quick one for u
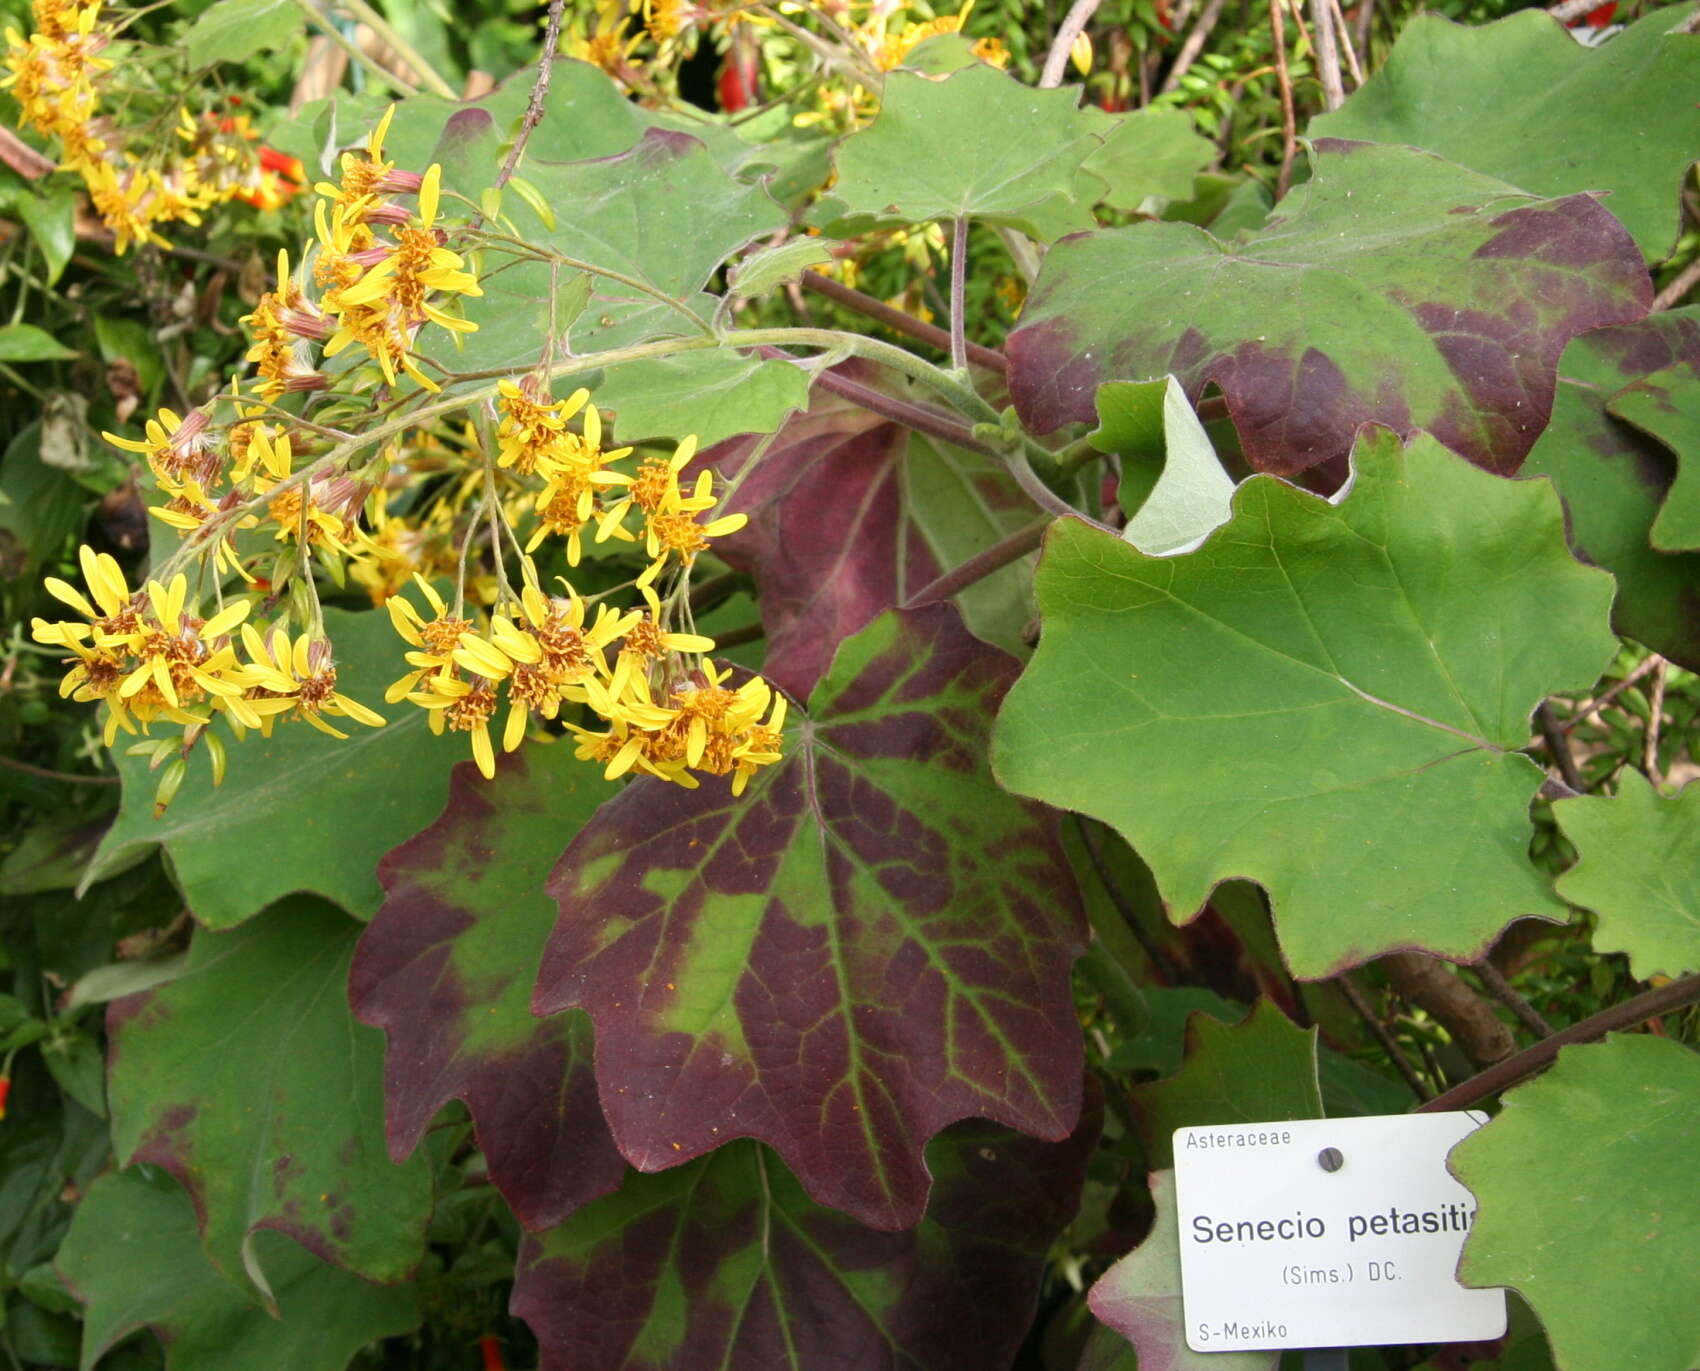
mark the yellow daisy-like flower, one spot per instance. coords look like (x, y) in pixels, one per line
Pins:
(300, 675)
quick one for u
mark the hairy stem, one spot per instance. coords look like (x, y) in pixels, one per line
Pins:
(981, 565)
(899, 322)
(539, 93)
(958, 295)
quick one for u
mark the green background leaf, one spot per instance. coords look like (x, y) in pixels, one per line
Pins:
(1639, 869)
(1522, 100)
(1584, 1186)
(300, 811)
(978, 144)
(1666, 405)
(1325, 699)
(233, 30)
(1150, 152)
(249, 1080)
(135, 1261)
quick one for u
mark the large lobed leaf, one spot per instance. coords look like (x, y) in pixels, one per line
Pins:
(133, 1258)
(1666, 405)
(248, 1079)
(850, 515)
(1522, 100)
(1260, 1069)
(726, 1262)
(1638, 868)
(299, 811)
(1585, 1194)
(1394, 286)
(872, 943)
(446, 969)
(1614, 477)
(1324, 698)
(978, 144)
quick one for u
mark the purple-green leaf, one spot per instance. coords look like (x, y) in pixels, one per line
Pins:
(850, 514)
(726, 1262)
(248, 1079)
(1393, 287)
(446, 969)
(871, 943)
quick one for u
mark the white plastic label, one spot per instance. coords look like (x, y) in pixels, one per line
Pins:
(1327, 1233)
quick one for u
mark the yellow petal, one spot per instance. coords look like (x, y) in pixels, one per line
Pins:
(429, 189)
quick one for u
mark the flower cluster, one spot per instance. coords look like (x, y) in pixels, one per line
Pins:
(136, 179)
(667, 708)
(148, 658)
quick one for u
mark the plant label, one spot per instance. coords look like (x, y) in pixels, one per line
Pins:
(1327, 1233)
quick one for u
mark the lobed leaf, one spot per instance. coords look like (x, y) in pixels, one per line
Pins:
(133, 1258)
(1638, 868)
(1666, 406)
(1140, 1298)
(446, 969)
(1393, 287)
(1325, 698)
(1508, 99)
(977, 144)
(248, 1079)
(392, 779)
(1152, 428)
(1584, 1185)
(1258, 1070)
(871, 943)
(850, 515)
(726, 1262)
(1614, 478)
(1150, 152)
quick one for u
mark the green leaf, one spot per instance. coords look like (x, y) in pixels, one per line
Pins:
(1260, 1069)
(39, 504)
(1327, 699)
(1140, 1298)
(133, 1258)
(1584, 1185)
(1153, 429)
(1613, 478)
(1523, 101)
(446, 969)
(726, 1262)
(27, 343)
(979, 144)
(715, 395)
(281, 822)
(1393, 286)
(1151, 152)
(51, 217)
(773, 266)
(1666, 405)
(1639, 870)
(249, 1080)
(868, 945)
(234, 30)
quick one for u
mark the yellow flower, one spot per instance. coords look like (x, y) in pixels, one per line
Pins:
(302, 675)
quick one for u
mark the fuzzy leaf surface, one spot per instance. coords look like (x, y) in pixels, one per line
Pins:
(1602, 1244)
(249, 1080)
(1639, 870)
(391, 780)
(1614, 477)
(978, 144)
(1325, 699)
(133, 1258)
(727, 1262)
(1140, 1297)
(1393, 286)
(872, 943)
(851, 514)
(1260, 1069)
(446, 969)
(1504, 99)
